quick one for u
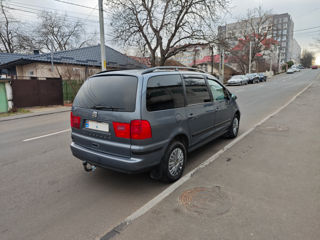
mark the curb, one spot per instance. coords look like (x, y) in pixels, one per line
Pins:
(29, 115)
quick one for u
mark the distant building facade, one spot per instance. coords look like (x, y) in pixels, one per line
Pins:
(295, 52)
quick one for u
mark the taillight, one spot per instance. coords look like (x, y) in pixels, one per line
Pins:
(140, 129)
(137, 129)
(75, 121)
(122, 130)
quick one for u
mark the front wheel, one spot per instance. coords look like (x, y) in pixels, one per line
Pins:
(173, 162)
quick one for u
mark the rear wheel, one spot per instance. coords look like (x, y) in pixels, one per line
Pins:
(173, 162)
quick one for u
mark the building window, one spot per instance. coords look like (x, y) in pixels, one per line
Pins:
(31, 73)
(284, 38)
(285, 19)
(283, 44)
(285, 31)
(285, 25)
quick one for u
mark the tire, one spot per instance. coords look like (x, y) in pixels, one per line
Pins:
(234, 128)
(172, 165)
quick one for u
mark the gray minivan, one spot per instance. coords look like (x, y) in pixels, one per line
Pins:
(147, 120)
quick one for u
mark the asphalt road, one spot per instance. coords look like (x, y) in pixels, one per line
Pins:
(45, 194)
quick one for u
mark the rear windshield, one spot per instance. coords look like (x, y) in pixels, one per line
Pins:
(113, 93)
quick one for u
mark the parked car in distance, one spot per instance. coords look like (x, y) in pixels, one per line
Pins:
(300, 66)
(262, 77)
(314, 67)
(237, 80)
(149, 119)
(290, 71)
(253, 77)
(296, 69)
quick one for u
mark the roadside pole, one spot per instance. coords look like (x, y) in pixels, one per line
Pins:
(221, 65)
(102, 45)
(212, 59)
(279, 59)
(250, 53)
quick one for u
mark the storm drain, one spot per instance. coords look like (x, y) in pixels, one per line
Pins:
(205, 201)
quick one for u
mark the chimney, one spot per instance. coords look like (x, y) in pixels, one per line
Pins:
(36, 52)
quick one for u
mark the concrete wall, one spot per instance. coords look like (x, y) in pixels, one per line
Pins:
(43, 70)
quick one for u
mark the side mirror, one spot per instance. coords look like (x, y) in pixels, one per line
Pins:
(234, 97)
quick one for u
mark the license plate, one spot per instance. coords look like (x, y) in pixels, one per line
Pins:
(100, 126)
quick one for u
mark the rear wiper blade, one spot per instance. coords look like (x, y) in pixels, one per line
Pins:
(100, 107)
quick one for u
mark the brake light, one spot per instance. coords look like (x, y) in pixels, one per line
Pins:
(137, 129)
(122, 130)
(140, 129)
(75, 121)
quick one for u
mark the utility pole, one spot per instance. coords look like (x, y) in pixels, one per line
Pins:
(221, 65)
(51, 57)
(271, 56)
(212, 59)
(279, 59)
(102, 46)
(250, 53)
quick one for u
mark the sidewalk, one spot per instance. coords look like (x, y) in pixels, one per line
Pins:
(37, 111)
(267, 186)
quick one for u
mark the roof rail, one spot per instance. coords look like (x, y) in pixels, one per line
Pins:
(173, 68)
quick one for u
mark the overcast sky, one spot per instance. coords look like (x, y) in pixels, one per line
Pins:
(305, 14)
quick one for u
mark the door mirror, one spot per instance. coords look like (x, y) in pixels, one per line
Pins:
(234, 97)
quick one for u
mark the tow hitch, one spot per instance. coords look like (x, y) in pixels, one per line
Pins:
(88, 167)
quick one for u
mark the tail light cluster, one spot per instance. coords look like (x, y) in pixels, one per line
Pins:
(136, 129)
(75, 121)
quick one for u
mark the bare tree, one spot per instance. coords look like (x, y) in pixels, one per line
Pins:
(307, 58)
(256, 28)
(164, 27)
(10, 32)
(60, 33)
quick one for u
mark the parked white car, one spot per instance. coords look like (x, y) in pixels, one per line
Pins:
(295, 69)
(238, 80)
(290, 70)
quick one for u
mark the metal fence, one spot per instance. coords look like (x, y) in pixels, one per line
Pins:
(29, 93)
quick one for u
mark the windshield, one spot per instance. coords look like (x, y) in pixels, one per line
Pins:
(109, 93)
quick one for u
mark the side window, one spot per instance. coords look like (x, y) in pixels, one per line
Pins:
(197, 90)
(164, 92)
(217, 90)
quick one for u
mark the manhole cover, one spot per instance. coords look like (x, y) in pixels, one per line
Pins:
(205, 201)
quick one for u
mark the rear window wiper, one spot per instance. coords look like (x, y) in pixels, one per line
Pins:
(100, 107)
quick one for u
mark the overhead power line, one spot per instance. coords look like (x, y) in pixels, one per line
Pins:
(79, 5)
(300, 30)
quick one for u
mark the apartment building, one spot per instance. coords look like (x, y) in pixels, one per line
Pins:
(280, 27)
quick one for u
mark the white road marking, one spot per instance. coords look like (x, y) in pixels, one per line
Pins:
(47, 135)
(157, 199)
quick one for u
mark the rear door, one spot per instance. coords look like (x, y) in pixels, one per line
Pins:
(105, 103)
(199, 108)
(221, 104)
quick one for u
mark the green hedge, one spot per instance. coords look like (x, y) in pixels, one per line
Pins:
(70, 89)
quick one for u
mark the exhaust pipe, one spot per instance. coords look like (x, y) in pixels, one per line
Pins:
(90, 168)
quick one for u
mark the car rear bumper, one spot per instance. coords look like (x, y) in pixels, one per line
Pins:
(133, 164)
